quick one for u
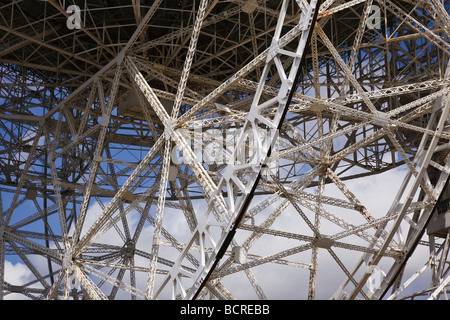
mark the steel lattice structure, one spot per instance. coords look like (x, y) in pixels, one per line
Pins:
(156, 149)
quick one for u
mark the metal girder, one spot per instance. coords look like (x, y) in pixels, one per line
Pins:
(236, 208)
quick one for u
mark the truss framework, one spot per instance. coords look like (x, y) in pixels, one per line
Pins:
(95, 204)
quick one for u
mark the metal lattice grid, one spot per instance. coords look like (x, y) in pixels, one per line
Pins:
(224, 149)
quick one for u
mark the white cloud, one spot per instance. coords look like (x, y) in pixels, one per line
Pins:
(16, 274)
